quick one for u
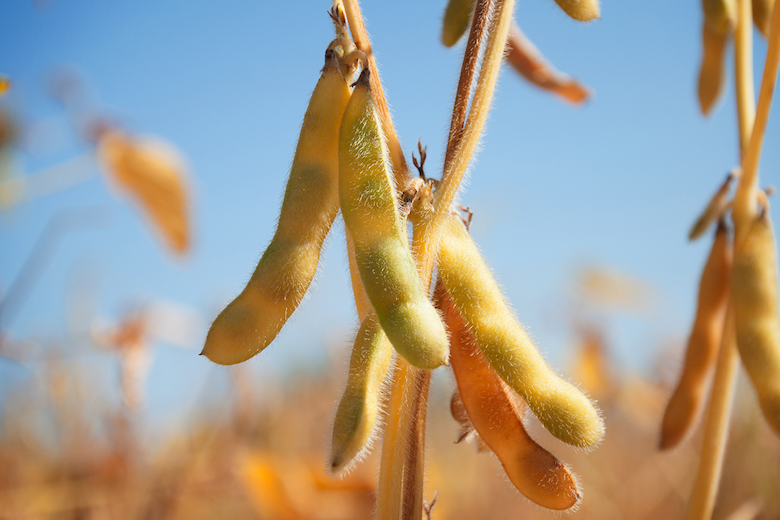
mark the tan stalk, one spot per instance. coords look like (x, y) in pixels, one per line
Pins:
(501, 21)
(745, 205)
(391, 470)
(360, 37)
(745, 209)
(469, 67)
(414, 468)
(716, 428)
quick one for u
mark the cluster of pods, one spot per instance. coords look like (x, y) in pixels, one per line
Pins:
(748, 277)
(341, 165)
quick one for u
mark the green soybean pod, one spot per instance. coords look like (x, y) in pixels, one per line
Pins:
(357, 412)
(754, 293)
(565, 411)
(387, 270)
(457, 15)
(251, 321)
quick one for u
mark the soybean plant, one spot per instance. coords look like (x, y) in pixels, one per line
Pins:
(348, 159)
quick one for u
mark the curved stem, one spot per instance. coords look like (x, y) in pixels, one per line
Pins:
(745, 206)
(716, 429)
(453, 174)
(467, 71)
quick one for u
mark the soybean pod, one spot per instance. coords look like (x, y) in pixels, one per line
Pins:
(565, 411)
(387, 270)
(687, 402)
(497, 418)
(457, 16)
(712, 72)
(251, 321)
(357, 412)
(754, 290)
(582, 10)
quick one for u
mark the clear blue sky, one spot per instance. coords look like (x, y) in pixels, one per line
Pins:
(615, 183)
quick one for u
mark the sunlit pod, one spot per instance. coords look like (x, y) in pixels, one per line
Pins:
(754, 289)
(712, 73)
(311, 201)
(687, 402)
(497, 418)
(582, 10)
(356, 416)
(565, 411)
(369, 205)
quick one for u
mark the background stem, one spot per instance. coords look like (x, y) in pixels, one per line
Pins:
(751, 133)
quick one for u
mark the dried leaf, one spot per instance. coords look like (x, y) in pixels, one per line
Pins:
(152, 173)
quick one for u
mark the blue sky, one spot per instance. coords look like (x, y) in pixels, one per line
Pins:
(615, 183)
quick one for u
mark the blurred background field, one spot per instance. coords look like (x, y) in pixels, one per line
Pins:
(106, 411)
(65, 452)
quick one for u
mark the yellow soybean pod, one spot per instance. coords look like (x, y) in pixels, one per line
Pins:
(359, 406)
(457, 15)
(565, 411)
(754, 293)
(712, 73)
(582, 10)
(311, 201)
(687, 402)
(370, 209)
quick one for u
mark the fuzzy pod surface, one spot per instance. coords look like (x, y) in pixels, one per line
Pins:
(356, 416)
(564, 410)
(254, 318)
(496, 417)
(382, 254)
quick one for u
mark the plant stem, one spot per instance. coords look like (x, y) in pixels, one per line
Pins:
(401, 472)
(391, 470)
(751, 130)
(716, 428)
(719, 408)
(360, 37)
(414, 468)
(745, 206)
(469, 67)
(452, 176)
